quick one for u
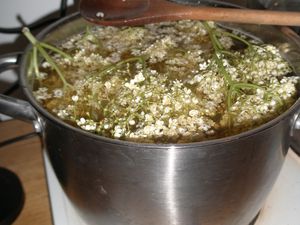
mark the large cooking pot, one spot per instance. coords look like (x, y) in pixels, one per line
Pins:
(113, 182)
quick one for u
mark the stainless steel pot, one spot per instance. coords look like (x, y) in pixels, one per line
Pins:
(112, 182)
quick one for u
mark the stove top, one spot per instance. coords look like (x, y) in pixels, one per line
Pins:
(282, 206)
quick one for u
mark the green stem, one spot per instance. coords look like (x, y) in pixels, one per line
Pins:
(94, 39)
(88, 31)
(53, 65)
(52, 48)
(31, 64)
(218, 53)
(232, 87)
(39, 47)
(220, 33)
(118, 64)
(222, 69)
(228, 53)
(35, 61)
(29, 36)
(245, 85)
(218, 44)
(276, 96)
(211, 36)
(228, 106)
(229, 99)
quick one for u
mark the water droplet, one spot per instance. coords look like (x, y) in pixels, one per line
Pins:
(100, 14)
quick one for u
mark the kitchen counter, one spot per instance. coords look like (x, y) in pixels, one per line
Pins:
(25, 159)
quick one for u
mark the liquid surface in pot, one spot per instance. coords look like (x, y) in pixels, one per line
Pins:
(169, 82)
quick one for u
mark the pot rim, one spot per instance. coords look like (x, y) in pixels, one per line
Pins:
(61, 123)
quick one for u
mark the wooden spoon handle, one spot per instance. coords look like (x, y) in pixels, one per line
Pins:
(246, 16)
(250, 16)
(137, 12)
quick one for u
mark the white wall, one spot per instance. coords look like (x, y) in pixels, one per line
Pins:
(30, 11)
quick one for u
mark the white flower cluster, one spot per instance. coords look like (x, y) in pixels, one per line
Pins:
(260, 63)
(162, 83)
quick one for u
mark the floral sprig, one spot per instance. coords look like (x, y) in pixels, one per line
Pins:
(117, 65)
(233, 88)
(40, 50)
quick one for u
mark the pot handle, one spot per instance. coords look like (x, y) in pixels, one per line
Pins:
(13, 107)
(295, 134)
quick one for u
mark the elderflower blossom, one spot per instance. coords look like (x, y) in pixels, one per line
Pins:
(171, 90)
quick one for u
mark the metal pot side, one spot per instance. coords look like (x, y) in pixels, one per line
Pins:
(215, 184)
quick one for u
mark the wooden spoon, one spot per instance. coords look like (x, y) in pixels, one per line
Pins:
(139, 12)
